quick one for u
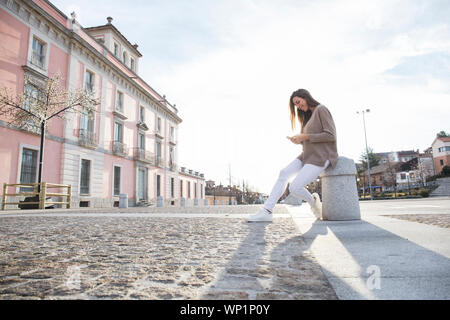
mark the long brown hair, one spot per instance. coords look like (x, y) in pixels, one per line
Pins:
(303, 117)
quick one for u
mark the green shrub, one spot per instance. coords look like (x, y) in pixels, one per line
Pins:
(424, 193)
(446, 171)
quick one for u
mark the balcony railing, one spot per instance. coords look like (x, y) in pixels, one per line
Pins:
(144, 155)
(120, 148)
(119, 108)
(159, 161)
(87, 139)
(173, 166)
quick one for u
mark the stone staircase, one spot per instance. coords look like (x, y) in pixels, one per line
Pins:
(443, 189)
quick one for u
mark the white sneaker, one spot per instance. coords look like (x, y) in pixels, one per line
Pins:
(316, 208)
(262, 216)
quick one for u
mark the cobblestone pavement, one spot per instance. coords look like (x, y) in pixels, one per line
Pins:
(440, 220)
(126, 256)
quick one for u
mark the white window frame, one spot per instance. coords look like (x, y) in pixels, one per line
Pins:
(43, 38)
(113, 177)
(142, 114)
(92, 78)
(90, 176)
(45, 52)
(158, 124)
(140, 133)
(124, 57)
(132, 64)
(114, 130)
(19, 163)
(119, 94)
(116, 52)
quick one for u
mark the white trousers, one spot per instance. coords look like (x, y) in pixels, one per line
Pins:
(305, 175)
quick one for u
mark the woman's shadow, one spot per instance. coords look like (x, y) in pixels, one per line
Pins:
(271, 262)
(275, 261)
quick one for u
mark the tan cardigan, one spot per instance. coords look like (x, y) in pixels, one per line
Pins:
(321, 145)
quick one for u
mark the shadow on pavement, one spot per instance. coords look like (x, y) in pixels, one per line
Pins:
(272, 262)
(369, 262)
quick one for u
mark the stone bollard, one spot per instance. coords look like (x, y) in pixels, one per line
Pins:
(183, 202)
(159, 201)
(339, 192)
(195, 202)
(123, 200)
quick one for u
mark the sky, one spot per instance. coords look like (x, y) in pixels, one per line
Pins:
(230, 67)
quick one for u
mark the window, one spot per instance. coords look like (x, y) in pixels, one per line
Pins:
(158, 128)
(116, 49)
(116, 180)
(38, 54)
(441, 162)
(402, 176)
(172, 193)
(443, 149)
(158, 152)
(172, 134)
(171, 157)
(201, 191)
(119, 101)
(158, 185)
(181, 188)
(142, 114)
(28, 168)
(87, 121)
(195, 189)
(141, 141)
(118, 132)
(89, 81)
(124, 57)
(189, 189)
(32, 95)
(85, 174)
(132, 64)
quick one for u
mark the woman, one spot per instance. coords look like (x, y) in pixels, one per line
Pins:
(318, 137)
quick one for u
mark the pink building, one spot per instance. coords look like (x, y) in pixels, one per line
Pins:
(129, 145)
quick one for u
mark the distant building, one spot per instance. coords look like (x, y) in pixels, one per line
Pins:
(441, 153)
(383, 177)
(397, 156)
(221, 195)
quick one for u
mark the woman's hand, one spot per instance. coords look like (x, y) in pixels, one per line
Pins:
(299, 138)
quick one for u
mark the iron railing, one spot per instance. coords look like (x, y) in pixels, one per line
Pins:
(88, 139)
(144, 155)
(120, 148)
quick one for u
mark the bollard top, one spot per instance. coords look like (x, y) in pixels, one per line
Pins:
(344, 166)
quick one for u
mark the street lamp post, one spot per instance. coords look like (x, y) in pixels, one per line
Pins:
(367, 151)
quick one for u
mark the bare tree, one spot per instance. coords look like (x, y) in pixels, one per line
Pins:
(390, 176)
(38, 105)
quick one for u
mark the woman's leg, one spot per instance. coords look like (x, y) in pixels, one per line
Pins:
(280, 184)
(307, 174)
